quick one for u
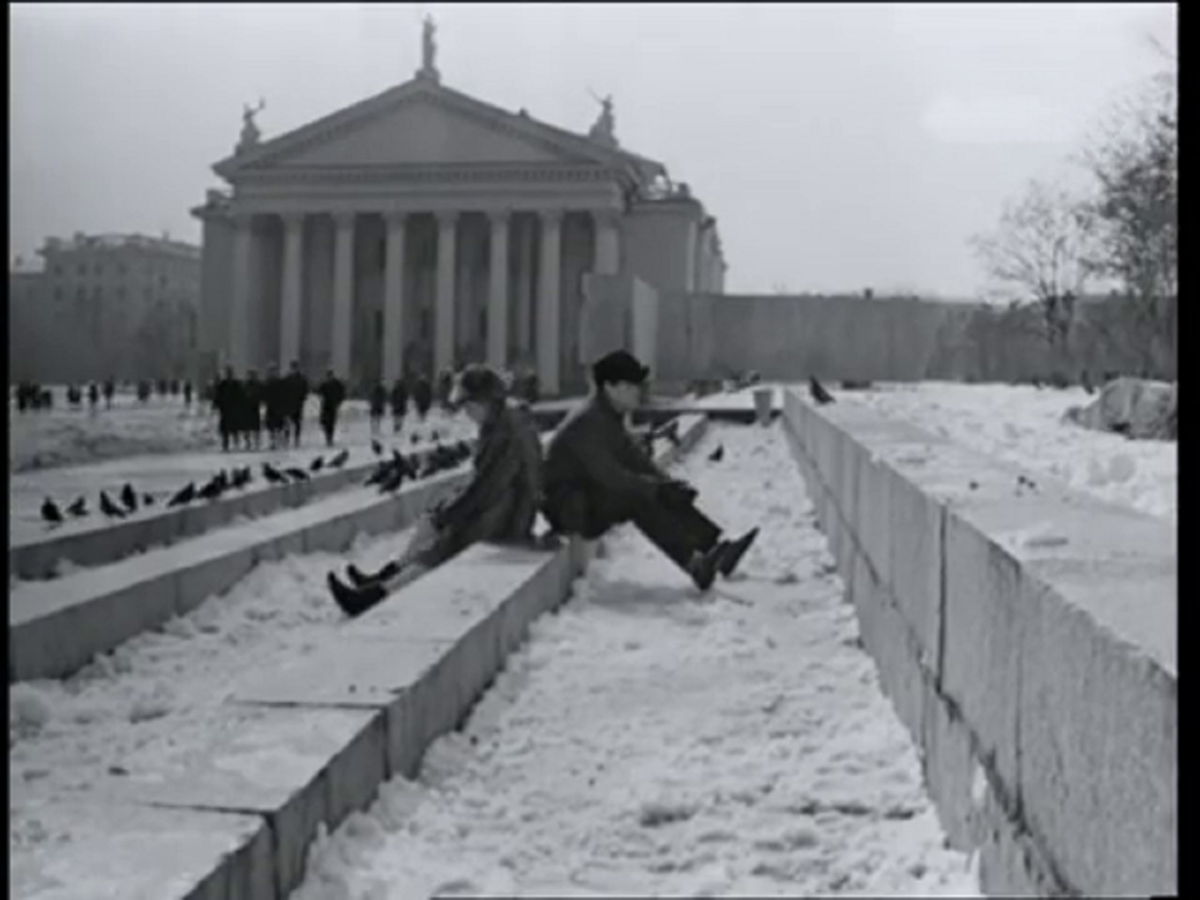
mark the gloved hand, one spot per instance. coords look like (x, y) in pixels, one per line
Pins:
(677, 493)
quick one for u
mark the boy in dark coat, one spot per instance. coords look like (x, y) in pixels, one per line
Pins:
(333, 393)
(227, 400)
(422, 396)
(399, 403)
(377, 405)
(296, 390)
(596, 477)
(252, 401)
(500, 504)
(275, 395)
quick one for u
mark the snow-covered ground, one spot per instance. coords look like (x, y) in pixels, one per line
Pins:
(146, 708)
(1023, 425)
(168, 470)
(649, 740)
(66, 436)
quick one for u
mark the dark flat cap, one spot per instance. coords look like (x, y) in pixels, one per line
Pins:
(480, 383)
(619, 366)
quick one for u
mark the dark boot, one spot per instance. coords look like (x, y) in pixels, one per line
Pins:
(359, 578)
(703, 567)
(355, 601)
(733, 552)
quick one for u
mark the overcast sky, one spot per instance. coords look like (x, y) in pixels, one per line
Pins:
(840, 146)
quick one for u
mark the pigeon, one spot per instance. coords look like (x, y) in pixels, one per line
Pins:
(340, 460)
(273, 475)
(392, 482)
(50, 512)
(380, 474)
(78, 508)
(296, 474)
(818, 391)
(212, 490)
(148, 499)
(718, 454)
(317, 464)
(184, 496)
(109, 508)
(376, 447)
(129, 498)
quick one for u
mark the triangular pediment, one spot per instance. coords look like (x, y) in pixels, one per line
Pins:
(415, 125)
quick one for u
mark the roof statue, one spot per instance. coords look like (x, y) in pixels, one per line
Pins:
(604, 131)
(250, 132)
(428, 51)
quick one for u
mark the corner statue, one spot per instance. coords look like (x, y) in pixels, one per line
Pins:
(428, 49)
(604, 131)
(250, 132)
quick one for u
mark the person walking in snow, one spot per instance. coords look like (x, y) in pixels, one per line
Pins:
(398, 400)
(596, 477)
(500, 504)
(333, 393)
(227, 400)
(422, 394)
(297, 395)
(376, 406)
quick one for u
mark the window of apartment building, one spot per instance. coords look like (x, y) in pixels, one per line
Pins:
(121, 292)
(81, 269)
(122, 269)
(58, 269)
(58, 294)
(81, 293)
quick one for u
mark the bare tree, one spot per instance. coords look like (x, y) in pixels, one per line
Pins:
(1038, 255)
(1134, 158)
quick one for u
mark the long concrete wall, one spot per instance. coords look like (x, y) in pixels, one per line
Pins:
(1026, 636)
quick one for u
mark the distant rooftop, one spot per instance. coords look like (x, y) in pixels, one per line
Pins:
(82, 241)
(25, 265)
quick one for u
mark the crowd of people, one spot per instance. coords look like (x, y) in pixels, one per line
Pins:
(32, 396)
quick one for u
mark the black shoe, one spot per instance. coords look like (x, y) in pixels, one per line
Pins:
(359, 578)
(733, 551)
(355, 601)
(703, 568)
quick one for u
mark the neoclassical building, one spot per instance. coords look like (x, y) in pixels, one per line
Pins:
(425, 228)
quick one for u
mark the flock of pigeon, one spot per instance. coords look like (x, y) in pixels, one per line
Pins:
(393, 471)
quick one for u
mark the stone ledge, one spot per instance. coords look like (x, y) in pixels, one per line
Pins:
(105, 543)
(1039, 626)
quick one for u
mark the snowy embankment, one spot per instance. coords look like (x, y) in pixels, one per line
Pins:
(143, 710)
(66, 436)
(1022, 424)
(648, 740)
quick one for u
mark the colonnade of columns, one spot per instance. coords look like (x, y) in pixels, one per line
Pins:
(546, 340)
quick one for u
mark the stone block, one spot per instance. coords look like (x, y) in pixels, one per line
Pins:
(296, 767)
(210, 574)
(117, 850)
(950, 768)
(1099, 728)
(986, 607)
(872, 513)
(57, 627)
(888, 638)
(915, 567)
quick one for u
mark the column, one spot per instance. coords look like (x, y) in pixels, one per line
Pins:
(343, 293)
(524, 237)
(549, 306)
(608, 243)
(497, 317)
(393, 298)
(443, 325)
(240, 320)
(290, 307)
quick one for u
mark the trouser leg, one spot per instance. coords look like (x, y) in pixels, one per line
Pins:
(679, 532)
